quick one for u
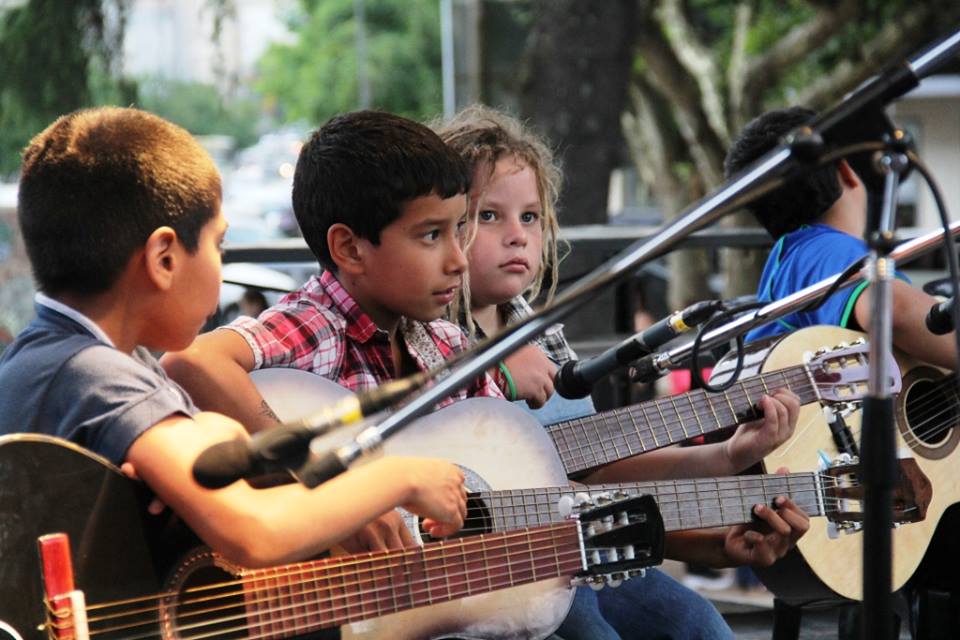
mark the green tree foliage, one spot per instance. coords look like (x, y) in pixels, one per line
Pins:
(315, 77)
(56, 57)
(200, 109)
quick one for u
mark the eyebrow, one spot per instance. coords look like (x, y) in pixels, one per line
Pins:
(533, 204)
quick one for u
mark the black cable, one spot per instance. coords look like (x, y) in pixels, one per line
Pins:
(695, 349)
(948, 245)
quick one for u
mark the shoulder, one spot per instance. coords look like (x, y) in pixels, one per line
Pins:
(447, 333)
(301, 327)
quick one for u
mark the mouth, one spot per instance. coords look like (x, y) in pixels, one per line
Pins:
(446, 296)
(516, 265)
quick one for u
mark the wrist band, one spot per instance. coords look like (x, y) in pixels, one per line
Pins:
(511, 387)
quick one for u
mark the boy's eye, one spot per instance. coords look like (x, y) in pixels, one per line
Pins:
(486, 216)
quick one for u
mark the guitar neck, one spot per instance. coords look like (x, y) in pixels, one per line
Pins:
(593, 441)
(283, 602)
(684, 504)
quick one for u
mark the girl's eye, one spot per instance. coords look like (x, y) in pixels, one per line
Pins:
(529, 216)
(486, 216)
(432, 235)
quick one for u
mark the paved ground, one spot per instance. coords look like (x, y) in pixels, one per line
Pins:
(750, 613)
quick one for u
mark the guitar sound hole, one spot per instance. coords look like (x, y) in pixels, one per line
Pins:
(209, 599)
(479, 520)
(930, 413)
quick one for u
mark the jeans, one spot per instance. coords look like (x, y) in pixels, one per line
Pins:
(655, 607)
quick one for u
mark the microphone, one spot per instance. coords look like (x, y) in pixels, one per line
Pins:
(576, 378)
(287, 446)
(940, 317)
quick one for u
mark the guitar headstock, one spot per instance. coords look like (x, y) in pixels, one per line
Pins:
(622, 534)
(841, 372)
(845, 494)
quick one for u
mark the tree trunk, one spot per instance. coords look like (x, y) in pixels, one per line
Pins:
(576, 72)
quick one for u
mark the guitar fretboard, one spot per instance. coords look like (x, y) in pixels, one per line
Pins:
(592, 441)
(684, 504)
(287, 601)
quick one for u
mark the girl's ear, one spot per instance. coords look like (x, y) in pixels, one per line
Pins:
(345, 249)
(160, 257)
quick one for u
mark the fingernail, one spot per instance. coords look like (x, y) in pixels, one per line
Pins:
(779, 500)
(758, 509)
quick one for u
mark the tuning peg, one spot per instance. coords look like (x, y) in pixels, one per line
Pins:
(858, 342)
(614, 580)
(842, 345)
(637, 573)
(565, 506)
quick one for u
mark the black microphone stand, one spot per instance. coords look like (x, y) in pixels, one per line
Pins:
(877, 436)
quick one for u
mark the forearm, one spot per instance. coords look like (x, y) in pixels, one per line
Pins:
(668, 463)
(267, 526)
(698, 546)
(217, 379)
(910, 333)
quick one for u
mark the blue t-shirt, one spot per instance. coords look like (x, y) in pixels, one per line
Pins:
(58, 379)
(802, 258)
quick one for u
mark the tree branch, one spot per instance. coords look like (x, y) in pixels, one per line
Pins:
(665, 72)
(697, 60)
(896, 40)
(765, 71)
(736, 71)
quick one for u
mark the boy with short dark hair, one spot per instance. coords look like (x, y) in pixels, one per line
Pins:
(121, 215)
(818, 221)
(381, 202)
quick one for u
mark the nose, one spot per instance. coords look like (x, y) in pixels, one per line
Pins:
(515, 235)
(456, 261)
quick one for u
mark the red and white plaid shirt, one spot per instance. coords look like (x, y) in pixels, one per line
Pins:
(320, 328)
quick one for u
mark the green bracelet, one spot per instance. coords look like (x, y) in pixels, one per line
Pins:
(511, 387)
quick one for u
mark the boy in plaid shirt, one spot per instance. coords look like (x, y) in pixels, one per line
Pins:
(381, 201)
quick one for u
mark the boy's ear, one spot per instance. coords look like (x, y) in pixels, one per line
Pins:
(345, 249)
(160, 258)
(848, 177)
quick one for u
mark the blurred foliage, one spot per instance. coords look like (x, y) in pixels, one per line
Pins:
(315, 77)
(200, 109)
(56, 57)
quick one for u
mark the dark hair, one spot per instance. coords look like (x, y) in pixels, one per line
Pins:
(361, 168)
(800, 201)
(96, 183)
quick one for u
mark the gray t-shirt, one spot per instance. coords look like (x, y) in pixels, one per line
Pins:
(58, 379)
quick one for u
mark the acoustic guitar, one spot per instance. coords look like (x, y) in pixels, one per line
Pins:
(112, 571)
(827, 562)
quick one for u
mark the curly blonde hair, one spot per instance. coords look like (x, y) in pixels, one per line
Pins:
(482, 136)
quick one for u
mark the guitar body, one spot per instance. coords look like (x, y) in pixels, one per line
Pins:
(826, 567)
(498, 446)
(51, 486)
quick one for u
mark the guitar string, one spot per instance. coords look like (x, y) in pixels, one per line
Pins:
(682, 498)
(351, 605)
(564, 532)
(610, 435)
(751, 384)
(930, 399)
(369, 557)
(606, 419)
(410, 597)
